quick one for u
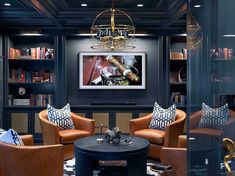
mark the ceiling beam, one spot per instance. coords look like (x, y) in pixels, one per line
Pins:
(159, 4)
(177, 14)
(41, 8)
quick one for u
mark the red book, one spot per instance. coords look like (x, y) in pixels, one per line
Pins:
(225, 53)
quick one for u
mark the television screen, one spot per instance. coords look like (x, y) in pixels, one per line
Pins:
(112, 70)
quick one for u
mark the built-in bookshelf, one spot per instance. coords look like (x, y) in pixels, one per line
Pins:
(178, 70)
(222, 79)
(31, 71)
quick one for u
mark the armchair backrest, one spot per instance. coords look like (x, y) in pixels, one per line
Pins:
(31, 160)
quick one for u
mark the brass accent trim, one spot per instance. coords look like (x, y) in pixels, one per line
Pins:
(230, 147)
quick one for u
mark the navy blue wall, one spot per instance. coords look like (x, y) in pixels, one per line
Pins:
(154, 75)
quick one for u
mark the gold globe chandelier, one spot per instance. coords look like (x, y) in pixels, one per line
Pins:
(111, 35)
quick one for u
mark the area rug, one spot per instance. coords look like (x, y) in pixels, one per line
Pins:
(69, 170)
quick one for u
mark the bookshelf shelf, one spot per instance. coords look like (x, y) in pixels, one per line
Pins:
(26, 107)
(178, 83)
(31, 60)
(177, 70)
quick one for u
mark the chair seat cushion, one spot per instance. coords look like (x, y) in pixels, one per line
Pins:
(206, 131)
(69, 136)
(154, 136)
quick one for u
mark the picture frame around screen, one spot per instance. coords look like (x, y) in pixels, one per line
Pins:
(112, 70)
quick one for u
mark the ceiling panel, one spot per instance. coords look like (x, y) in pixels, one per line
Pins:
(66, 14)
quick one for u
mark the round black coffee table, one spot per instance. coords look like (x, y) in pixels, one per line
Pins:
(88, 151)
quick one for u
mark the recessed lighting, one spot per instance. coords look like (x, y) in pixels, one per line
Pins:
(197, 5)
(7, 4)
(83, 5)
(229, 35)
(140, 5)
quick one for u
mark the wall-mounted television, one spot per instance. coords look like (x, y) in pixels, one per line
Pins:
(112, 70)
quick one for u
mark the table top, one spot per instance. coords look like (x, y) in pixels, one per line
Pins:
(90, 144)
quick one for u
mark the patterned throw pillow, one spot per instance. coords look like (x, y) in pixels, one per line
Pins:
(11, 137)
(162, 117)
(60, 117)
(213, 117)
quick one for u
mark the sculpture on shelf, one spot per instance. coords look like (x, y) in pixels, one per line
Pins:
(113, 136)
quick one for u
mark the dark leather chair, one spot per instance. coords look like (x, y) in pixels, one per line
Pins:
(228, 130)
(177, 157)
(53, 135)
(158, 138)
(31, 160)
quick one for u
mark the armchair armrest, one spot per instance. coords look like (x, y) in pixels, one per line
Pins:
(140, 123)
(172, 156)
(229, 129)
(83, 123)
(195, 119)
(27, 139)
(172, 132)
(31, 160)
(50, 131)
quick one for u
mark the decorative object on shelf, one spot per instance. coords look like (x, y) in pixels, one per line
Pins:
(112, 36)
(106, 70)
(113, 136)
(175, 97)
(231, 149)
(182, 75)
(194, 33)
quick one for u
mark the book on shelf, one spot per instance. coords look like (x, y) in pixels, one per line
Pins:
(221, 53)
(178, 98)
(21, 102)
(34, 100)
(41, 99)
(23, 76)
(31, 53)
(179, 55)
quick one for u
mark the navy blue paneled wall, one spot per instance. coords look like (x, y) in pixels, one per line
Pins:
(152, 93)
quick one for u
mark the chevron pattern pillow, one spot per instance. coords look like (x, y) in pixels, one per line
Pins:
(60, 117)
(11, 137)
(213, 117)
(162, 117)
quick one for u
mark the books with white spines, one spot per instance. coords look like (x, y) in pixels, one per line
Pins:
(24, 102)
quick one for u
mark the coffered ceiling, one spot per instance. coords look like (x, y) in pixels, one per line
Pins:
(156, 16)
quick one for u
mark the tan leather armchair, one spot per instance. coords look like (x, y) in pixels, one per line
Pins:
(31, 160)
(158, 138)
(228, 131)
(177, 157)
(53, 135)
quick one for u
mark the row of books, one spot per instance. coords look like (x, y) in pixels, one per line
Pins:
(221, 53)
(178, 98)
(20, 75)
(31, 53)
(179, 55)
(34, 100)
